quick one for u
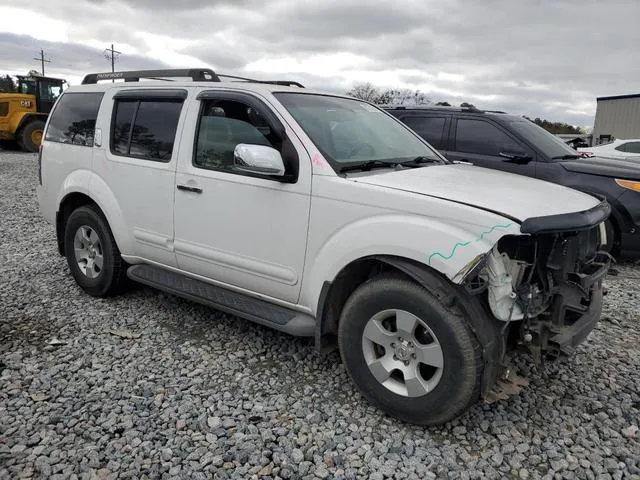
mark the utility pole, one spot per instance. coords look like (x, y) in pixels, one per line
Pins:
(42, 60)
(110, 54)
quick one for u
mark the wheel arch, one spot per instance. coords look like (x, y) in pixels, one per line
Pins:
(335, 294)
(98, 195)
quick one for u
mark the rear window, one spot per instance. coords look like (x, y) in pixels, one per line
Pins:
(73, 120)
(429, 128)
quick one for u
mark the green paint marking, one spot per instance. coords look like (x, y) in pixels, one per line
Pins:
(464, 244)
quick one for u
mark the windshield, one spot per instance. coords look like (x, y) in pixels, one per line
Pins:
(349, 131)
(550, 145)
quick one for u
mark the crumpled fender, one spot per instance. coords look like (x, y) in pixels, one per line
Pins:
(446, 245)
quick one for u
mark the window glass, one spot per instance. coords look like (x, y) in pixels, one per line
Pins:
(348, 131)
(482, 138)
(633, 147)
(49, 91)
(550, 145)
(154, 128)
(122, 126)
(429, 128)
(223, 125)
(622, 148)
(74, 119)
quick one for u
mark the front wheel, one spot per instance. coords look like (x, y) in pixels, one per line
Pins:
(92, 254)
(408, 353)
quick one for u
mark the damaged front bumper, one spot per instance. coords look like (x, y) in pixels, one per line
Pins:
(544, 288)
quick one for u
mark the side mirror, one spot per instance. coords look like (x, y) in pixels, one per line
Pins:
(519, 157)
(258, 159)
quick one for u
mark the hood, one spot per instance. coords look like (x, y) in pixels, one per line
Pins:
(510, 195)
(605, 166)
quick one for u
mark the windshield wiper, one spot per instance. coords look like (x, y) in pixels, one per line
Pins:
(565, 157)
(416, 162)
(368, 165)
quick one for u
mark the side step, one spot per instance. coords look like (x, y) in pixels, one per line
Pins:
(259, 311)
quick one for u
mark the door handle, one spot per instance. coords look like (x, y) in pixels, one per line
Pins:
(186, 188)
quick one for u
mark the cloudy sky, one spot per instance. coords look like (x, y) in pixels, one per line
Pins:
(532, 57)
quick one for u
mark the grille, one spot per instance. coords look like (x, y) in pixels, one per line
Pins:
(4, 109)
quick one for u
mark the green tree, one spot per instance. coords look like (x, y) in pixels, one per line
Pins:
(397, 96)
(7, 84)
(556, 127)
(443, 104)
(467, 105)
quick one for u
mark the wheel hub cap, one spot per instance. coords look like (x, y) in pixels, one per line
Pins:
(88, 251)
(404, 351)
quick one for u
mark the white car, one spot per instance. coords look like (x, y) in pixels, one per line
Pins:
(626, 149)
(322, 215)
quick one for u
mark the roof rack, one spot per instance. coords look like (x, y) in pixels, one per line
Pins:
(287, 83)
(196, 74)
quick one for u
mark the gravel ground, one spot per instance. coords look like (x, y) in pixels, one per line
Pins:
(200, 394)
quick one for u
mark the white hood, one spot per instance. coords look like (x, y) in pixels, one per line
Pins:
(512, 195)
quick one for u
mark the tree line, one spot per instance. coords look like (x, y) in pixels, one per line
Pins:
(405, 96)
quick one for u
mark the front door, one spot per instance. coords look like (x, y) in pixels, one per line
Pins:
(244, 231)
(483, 143)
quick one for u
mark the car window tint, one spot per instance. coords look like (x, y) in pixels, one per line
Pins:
(482, 138)
(154, 128)
(622, 147)
(429, 128)
(633, 147)
(223, 125)
(73, 120)
(123, 117)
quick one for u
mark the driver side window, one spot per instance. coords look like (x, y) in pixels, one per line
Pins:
(222, 125)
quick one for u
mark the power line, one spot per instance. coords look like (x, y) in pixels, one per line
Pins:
(42, 60)
(110, 54)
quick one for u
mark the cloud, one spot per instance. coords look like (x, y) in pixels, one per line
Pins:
(546, 59)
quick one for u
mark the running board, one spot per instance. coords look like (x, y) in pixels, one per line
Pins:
(258, 311)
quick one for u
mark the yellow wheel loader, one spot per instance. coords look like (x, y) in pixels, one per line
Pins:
(23, 113)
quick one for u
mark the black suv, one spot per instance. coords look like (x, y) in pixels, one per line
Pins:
(514, 144)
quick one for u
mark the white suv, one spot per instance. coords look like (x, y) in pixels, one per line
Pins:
(322, 215)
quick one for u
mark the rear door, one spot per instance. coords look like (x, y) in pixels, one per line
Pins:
(484, 143)
(137, 161)
(430, 126)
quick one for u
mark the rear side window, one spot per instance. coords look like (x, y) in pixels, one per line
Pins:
(429, 128)
(633, 147)
(482, 138)
(73, 120)
(145, 128)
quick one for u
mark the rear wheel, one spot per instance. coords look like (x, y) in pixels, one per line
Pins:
(92, 254)
(31, 135)
(408, 353)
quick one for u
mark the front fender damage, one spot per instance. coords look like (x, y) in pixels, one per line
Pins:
(543, 289)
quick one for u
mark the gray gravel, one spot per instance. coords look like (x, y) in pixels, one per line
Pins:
(202, 394)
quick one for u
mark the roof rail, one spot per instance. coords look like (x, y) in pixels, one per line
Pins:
(196, 74)
(287, 83)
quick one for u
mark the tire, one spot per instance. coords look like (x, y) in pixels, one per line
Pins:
(31, 136)
(454, 378)
(611, 246)
(105, 273)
